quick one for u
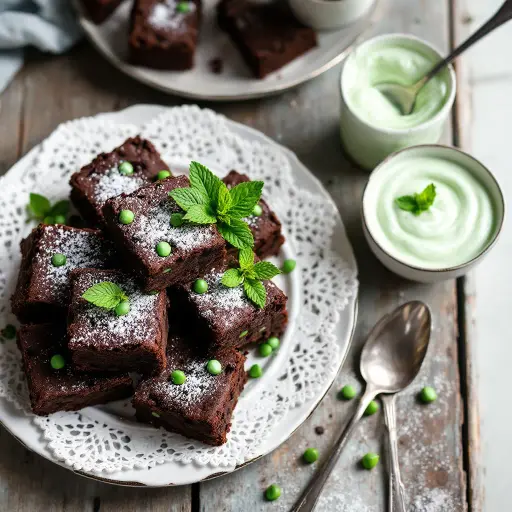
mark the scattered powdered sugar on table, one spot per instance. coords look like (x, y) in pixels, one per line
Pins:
(113, 183)
(166, 15)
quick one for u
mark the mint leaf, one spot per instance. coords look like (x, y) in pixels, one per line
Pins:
(407, 203)
(425, 199)
(187, 197)
(246, 258)
(200, 214)
(232, 278)
(39, 205)
(224, 200)
(105, 295)
(245, 196)
(265, 270)
(203, 180)
(255, 292)
(237, 233)
(59, 208)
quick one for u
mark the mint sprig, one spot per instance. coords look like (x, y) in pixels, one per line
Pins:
(418, 203)
(209, 201)
(39, 207)
(250, 274)
(105, 295)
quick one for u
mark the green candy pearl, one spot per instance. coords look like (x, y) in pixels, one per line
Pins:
(372, 408)
(126, 168)
(255, 371)
(182, 7)
(310, 455)
(126, 217)
(273, 342)
(273, 492)
(265, 350)
(162, 175)
(177, 220)
(347, 392)
(257, 210)
(57, 362)
(59, 219)
(163, 249)
(370, 460)
(288, 266)
(123, 308)
(428, 395)
(9, 332)
(214, 367)
(48, 220)
(243, 333)
(200, 286)
(58, 260)
(178, 377)
(155, 414)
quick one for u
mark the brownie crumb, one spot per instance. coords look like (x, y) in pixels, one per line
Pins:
(319, 430)
(216, 66)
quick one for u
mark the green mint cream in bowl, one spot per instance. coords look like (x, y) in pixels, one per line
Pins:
(431, 212)
(371, 127)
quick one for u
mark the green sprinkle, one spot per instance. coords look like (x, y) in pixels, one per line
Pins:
(59, 219)
(370, 460)
(273, 492)
(372, 408)
(214, 367)
(126, 217)
(126, 168)
(167, 270)
(178, 377)
(162, 175)
(257, 210)
(153, 292)
(57, 362)
(288, 266)
(58, 260)
(123, 308)
(200, 286)
(9, 332)
(265, 350)
(155, 414)
(255, 371)
(48, 220)
(243, 333)
(310, 455)
(273, 342)
(177, 220)
(347, 392)
(428, 395)
(163, 249)
(183, 7)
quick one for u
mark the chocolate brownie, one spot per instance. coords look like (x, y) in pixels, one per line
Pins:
(195, 248)
(224, 316)
(105, 177)
(100, 10)
(164, 33)
(201, 407)
(63, 389)
(42, 291)
(100, 340)
(265, 228)
(266, 33)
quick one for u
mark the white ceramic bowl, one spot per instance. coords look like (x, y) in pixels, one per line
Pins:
(477, 169)
(367, 144)
(329, 14)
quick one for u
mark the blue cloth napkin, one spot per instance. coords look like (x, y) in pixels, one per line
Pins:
(49, 25)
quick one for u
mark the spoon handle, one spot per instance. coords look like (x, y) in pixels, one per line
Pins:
(307, 502)
(502, 16)
(396, 487)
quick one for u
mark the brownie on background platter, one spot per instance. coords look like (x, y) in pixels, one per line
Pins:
(100, 10)
(54, 385)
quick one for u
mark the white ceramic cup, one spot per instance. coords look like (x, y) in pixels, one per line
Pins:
(367, 144)
(329, 14)
(477, 169)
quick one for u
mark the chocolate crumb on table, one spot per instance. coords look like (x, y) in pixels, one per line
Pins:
(216, 65)
(100, 10)
(319, 430)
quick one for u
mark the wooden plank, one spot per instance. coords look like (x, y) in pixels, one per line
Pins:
(306, 120)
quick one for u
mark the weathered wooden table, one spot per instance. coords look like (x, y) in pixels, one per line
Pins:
(438, 443)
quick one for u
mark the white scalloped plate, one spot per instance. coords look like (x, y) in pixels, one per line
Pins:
(21, 426)
(235, 82)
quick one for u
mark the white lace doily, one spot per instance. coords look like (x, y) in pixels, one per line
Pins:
(97, 440)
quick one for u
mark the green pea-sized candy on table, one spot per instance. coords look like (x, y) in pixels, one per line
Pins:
(370, 460)
(372, 408)
(273, 342)
(347, 392)
(289, 266)
(273, 492)
(265, 350)
(255, 371)
(200, 286)
(126, 168)
(428, 395)
(178, 377)
(310, 455)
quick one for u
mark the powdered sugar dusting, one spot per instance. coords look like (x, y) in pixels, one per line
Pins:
(112, 184)
(166, 16)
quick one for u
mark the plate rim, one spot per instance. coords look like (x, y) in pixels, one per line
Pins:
(352, 308)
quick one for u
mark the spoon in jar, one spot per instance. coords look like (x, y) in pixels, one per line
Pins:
(390, 360)
(403, 97)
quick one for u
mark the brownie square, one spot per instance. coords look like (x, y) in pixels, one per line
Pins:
(100, 180)
(164, 33)
(42, 291)
(265, 228)
(100, 10)
(202, 407)
(195, 249)
(99, 340)
(65, 389)
(225, 317)
(267, 34)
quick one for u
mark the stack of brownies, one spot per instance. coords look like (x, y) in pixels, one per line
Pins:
(121, 297)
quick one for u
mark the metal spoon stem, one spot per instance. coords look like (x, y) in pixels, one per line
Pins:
(307, 501)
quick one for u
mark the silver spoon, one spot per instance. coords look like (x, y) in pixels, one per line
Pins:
(391, 358)
(404, 97)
